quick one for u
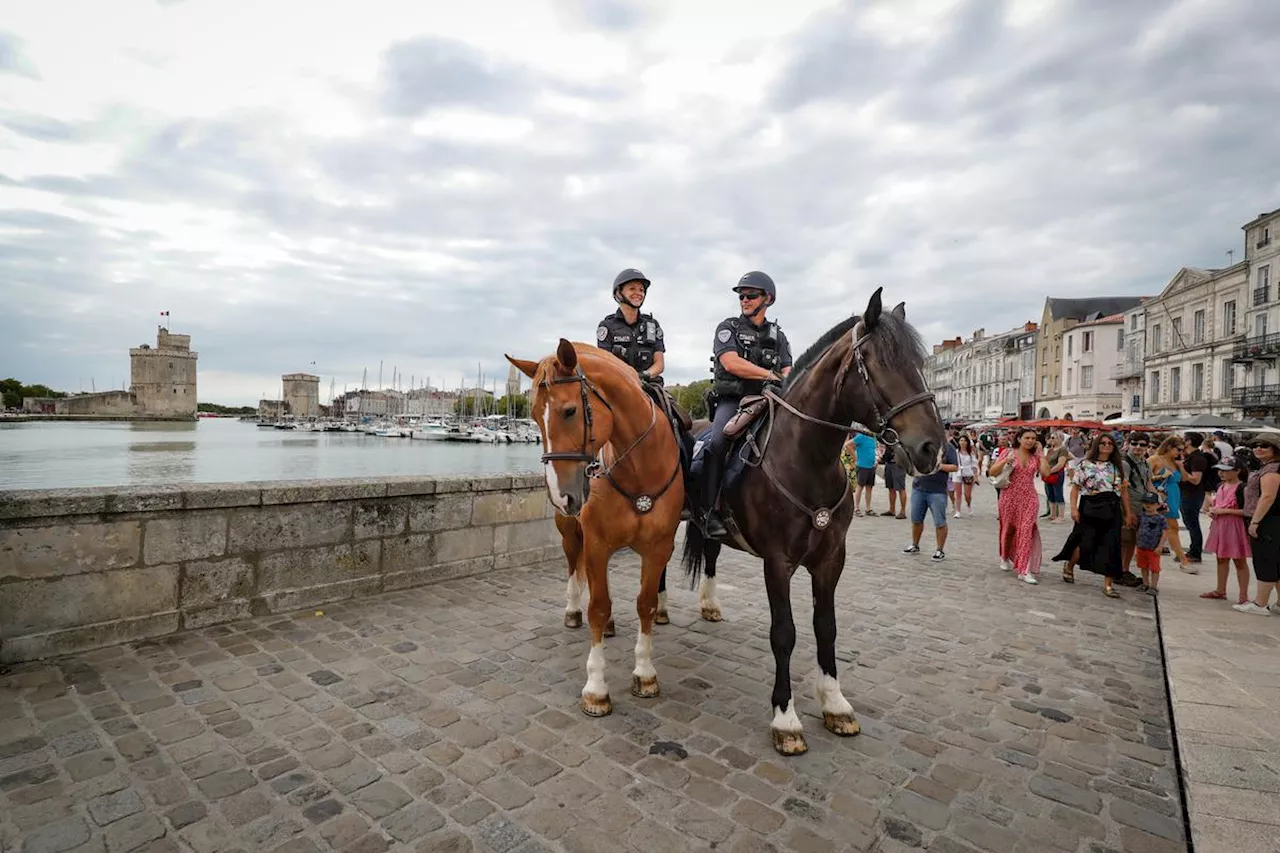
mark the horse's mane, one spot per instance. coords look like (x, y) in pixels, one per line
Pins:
(896, 340)
(594, 356)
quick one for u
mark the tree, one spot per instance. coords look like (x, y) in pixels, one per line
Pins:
(12, 391)
(693, 398)
(513, 405)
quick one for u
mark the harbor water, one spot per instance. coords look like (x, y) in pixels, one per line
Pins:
(51, 455)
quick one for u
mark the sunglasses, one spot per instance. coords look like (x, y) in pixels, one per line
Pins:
(747, 295)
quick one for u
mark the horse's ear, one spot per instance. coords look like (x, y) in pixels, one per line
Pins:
(900, 311)
(872, 315)
(528, 368)
(566, 355)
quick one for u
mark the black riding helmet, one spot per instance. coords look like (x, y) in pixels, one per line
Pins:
(756, 280)
(625, 277)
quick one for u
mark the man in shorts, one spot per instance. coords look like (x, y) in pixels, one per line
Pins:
(1138, 481)
(895, 480)
(929, 494)
(864, 448)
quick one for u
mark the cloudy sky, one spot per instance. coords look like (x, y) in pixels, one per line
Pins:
(346, 183)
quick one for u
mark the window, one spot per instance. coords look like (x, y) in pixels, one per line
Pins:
(1071, 339)
(1175, 385)
(1086, 343)
(1044, 356)
(1086, 378)
(1044, 385)
(1136, 403)
(1175, 332)
(1229, 317)
(1228, 378)
(1154, 390)
(1120, 339)
(1197, 327)
(1070, 387)
(1264, 276)
(1260, 325)
(1056, 386)
(1155, 338)
(1133, 323)
(1197, 381)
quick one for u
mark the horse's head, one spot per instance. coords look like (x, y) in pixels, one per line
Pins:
(574, 419)
(887, 352)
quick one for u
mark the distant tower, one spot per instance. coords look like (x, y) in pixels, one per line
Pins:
(163, 380)
(513, 382)
(302, 394)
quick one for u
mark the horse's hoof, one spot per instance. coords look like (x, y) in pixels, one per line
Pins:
(661, 618)
(789, 743)
(573, 620)
(711, 613)
(596, 706)
(844, 725)
(610, 630)
(645, 688)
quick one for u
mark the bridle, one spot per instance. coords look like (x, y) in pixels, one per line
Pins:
(642, 502)
(821, 517)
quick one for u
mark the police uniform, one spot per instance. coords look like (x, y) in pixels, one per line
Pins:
(634, 344)
(764, 346)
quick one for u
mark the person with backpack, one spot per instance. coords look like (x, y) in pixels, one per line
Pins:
(1228, 540)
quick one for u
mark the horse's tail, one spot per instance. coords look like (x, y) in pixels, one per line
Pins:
(695, 546)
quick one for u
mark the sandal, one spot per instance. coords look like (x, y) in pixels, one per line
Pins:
(1242, 600)
(1109, 592)
(899, 515)
(1068, 576)
(1214, 594)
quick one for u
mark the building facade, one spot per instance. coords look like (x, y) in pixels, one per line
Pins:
(1060, 315)
(1257, 355)
(163, 379)
(301, 394)
(1129, 372)
(1091, 353)
(1191, 330)
(987, 377)
(938, 371)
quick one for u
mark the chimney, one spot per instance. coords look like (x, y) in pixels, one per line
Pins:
(1030, 326)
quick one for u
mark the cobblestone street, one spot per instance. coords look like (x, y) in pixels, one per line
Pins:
(996, 716)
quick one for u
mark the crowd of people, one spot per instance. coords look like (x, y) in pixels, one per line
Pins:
(1127, 496)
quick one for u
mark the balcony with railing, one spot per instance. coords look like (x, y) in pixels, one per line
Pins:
(1262, 295)
(1257, 347)
(1256, 397)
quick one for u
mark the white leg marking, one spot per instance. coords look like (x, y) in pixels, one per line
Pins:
(644, 656)
(786, 719)
(573, 595)
(662, 601)
(595, 673)
(830, 699)
(553, 482)
(707, 592)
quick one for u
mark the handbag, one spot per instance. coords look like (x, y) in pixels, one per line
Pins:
(1001, 480)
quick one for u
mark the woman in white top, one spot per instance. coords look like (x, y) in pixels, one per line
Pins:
(966, 475)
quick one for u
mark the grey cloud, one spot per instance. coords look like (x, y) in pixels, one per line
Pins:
(422, 73)
(612, 15)
(12, 60)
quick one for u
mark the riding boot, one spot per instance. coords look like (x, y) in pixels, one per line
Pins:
(712, 523)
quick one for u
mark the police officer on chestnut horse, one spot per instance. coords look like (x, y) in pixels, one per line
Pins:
(748, 351)
(633, 337)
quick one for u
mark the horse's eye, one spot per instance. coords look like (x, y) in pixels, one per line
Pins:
(570, 411)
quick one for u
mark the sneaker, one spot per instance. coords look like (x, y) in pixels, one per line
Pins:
(1250, 607)
(1152, 591)
(1029, 578)
(938, 556)
(955, 514)
(1274, 608)
(911, 549)
(1006, 566)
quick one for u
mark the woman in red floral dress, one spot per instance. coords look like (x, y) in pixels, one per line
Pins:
(1020, 506)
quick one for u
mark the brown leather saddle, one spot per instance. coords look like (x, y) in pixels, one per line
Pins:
(669, 405)
(749, 409)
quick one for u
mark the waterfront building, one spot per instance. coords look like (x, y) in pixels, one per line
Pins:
(162, 385)
(1091, 352)
(301, 394)
(1060, 315)
(1257, 355)
(938, 373)
(987, 377)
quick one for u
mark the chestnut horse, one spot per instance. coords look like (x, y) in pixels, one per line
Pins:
(791, 502)
(604, 438)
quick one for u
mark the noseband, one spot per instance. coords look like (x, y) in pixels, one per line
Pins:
(821, 517)
(642, 503)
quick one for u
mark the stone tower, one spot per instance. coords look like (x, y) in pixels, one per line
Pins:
(302, 394)
(163, 379)
(513, 382)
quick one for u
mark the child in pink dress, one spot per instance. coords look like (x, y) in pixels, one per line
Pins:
(1228, 539)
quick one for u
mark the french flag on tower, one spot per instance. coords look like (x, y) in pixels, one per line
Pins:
(164, 313)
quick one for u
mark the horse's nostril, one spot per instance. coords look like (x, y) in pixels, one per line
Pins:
(570, 504)
(929, 450)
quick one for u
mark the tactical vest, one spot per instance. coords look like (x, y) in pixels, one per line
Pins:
(758, 345)
(634, 344)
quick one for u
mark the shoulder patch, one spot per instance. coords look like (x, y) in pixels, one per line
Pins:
(723, 336)
(659, 333)
(601, 331)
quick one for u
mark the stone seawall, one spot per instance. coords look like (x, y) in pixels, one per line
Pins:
(83, 568)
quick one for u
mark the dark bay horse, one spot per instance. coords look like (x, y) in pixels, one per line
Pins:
(791, 502)
(603, 438)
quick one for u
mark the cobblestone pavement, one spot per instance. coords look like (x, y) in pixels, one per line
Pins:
(997, 716)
